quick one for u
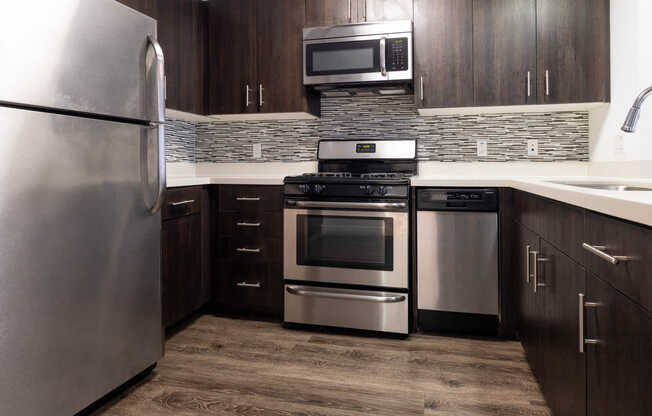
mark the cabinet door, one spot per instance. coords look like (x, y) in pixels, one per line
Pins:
(505, 47)
(331, 12)
(383, 10)
(280, 56)
(619, 369)
(530, 306)
(564, 373)
(443, 53)
(232, 56)
(181, 278)
(573, 50)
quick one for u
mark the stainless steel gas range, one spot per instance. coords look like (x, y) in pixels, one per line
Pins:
(346, 251)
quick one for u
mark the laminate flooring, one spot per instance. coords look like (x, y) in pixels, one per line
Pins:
(221, 366)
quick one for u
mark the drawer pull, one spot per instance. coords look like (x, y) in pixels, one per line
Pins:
(245, 284)
(582, 305)
(187, 202)
(248, 224)
(340, 295)
(245, 198)
(248, 250)
(599, 251)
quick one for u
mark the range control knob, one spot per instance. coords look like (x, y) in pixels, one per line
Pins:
(305, 188)
(318, 189)
(382, 190)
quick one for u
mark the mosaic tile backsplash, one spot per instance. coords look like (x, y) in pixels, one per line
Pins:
(563, 136)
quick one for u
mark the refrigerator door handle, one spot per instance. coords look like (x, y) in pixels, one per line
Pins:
(158, 122)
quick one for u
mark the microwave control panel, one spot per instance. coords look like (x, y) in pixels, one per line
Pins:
(397, 54)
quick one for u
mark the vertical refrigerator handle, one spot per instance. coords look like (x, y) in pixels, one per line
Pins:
(157, 120)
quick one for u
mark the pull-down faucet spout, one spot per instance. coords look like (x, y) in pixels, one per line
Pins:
(635, 112)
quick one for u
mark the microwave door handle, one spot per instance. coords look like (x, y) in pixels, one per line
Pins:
(383, 57)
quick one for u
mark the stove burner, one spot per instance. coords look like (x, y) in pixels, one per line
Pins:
(329, 174)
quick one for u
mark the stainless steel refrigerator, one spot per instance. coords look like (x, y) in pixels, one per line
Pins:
(82, 177)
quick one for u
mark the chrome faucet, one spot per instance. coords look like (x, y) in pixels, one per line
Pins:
(635, 112)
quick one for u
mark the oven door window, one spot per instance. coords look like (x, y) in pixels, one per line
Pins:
(346, 242)
(343, 57)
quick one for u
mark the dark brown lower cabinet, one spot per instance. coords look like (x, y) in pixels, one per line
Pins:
(181, 272)
(587, 332)
(249, 253)
(560, 280)
(619, 366)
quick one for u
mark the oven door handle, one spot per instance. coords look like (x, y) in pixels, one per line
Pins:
(348, 205)
(340, 295)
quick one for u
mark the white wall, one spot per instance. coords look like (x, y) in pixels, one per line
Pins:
(631, 72)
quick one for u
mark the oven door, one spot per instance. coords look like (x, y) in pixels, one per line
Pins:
(355, 247)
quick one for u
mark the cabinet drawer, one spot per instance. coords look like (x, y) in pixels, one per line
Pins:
(619, 238)
(253, 227)
(251, 248)
(252, 286)
(250, 200)
(181, 201)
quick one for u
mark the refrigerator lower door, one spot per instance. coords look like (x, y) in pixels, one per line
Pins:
(80, 303)
(90, 56)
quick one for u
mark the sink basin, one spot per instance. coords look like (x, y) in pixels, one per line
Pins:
(604, 186)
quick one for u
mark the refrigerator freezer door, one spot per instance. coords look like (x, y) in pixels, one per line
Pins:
(81, 55)
(80, 303)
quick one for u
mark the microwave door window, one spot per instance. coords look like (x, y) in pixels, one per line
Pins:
(340, 58)
(347, 242)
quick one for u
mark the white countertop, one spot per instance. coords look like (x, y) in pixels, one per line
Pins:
(635, 206)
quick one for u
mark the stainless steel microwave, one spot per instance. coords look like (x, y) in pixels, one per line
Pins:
(358, 53)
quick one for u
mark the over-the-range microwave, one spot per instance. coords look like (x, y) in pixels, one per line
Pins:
(358, 53)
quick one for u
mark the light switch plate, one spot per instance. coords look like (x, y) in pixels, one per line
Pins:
(532, 147)
(482, 148)
(257, 150)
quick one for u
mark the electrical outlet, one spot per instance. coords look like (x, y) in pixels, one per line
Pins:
(257, 150)
(619, 145)
(482, 148)
(532, 147)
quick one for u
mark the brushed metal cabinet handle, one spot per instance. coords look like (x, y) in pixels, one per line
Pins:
(248, 224)
(422, 88)
(582, 305)
(245, 284)
(261, 101)
(527, 263)
(186, 202)
(246, 198)
(535, 275)
(247, 250)
(529, 84)
(247, 90)
(547, 82)
(600, 252)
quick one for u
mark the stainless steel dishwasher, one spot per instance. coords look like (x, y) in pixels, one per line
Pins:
(457, 259)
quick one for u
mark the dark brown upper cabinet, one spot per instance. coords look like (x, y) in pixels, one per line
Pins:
(182, 35)
(255, 57)
(443, 53)
(330, 12)
(381, 10)
(573, 51)
(504, 52)
(232, 56)
(335, 12)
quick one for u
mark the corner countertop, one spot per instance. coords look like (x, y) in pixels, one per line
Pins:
(175, 182)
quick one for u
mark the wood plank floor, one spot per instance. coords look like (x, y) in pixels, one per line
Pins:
(220, 366)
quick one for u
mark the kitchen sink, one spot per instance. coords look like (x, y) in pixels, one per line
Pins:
(604, 186)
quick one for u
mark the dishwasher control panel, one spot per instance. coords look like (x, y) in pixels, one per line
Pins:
(457, 199)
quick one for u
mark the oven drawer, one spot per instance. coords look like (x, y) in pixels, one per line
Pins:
(346, 308)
